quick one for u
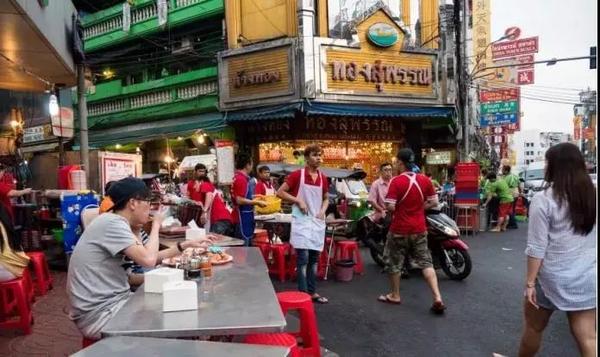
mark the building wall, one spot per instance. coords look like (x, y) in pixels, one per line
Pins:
(531, 145)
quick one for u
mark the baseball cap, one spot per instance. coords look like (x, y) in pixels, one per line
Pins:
(406, 155)
(126, 189)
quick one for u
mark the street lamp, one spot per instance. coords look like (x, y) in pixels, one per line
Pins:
(53, 105)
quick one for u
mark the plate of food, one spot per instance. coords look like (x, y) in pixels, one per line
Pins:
(188, 253)
(217, 256)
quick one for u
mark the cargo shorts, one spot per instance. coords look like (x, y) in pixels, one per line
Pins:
(400, 246)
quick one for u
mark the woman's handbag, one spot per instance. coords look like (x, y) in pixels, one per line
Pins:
(14, 262)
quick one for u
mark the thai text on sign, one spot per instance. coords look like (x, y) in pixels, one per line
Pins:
(515, 48)
(499, 95)
(246, 79)
(380, 73)
(499, 108)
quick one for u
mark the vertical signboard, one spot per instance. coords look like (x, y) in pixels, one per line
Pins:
(225, 159)
(126, 16)
(481, 33)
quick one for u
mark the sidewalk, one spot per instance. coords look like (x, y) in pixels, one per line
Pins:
(53, 333)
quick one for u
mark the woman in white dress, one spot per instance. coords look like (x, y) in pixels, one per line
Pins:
(561, 252)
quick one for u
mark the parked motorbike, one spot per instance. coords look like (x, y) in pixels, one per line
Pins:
(448, 251)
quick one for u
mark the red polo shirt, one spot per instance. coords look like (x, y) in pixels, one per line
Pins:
(409, 215)
(219, 211)
(5, 200)
(293, 181)
(238, 189)
(261, 187)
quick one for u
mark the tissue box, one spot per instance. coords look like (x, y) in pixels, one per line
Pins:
(155, 279)
(195, 234)
(180, 295)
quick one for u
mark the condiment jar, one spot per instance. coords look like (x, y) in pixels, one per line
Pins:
(206, 266)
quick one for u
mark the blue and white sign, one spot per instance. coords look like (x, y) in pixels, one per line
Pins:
(498, 119)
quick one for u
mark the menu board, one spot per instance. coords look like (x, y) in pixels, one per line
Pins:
(115, 166)
(225, 161)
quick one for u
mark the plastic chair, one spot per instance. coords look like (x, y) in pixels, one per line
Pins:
(14, 295)
(302, 302)
(42, 277)
(348, 249)
(278, 266)
(88, 213)
(86, 342)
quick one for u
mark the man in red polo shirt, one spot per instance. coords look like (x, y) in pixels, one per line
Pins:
(307, 189)
(409, 195)
(7, 191)
(242, 193)
(264, 186)
(215, 215)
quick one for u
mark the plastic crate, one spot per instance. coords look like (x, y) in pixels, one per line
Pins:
(467, 171)
(470, 186)
(466, 196)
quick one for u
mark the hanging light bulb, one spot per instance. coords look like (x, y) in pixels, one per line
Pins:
(118, 146)
(138, 150)
(14, 124)
(53, 105)
(179, 138)
(201, 139)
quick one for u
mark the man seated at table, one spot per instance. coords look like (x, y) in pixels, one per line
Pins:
(97, 285)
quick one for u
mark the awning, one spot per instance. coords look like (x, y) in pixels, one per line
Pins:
(377, 111)
(210, 122)
(284, 111)
(39, 147)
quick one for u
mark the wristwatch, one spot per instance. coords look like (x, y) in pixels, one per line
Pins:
(179, 247)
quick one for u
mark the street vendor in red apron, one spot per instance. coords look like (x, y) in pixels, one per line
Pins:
(264, 186)
(243, 199)
(307, 189)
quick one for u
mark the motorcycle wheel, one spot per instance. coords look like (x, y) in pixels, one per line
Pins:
(461, 264)
(377, 253)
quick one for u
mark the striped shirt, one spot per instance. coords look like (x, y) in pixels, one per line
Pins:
(567, 275)
(128, 264)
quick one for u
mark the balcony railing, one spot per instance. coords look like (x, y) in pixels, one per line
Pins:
(110, 20)
(154, 98)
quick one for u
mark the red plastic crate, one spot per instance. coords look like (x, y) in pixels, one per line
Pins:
(466, 186)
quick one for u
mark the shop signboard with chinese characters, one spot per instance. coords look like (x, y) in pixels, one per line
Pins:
(260, 75)
(439, 158)
(511, 49)
(481, 11)
(375, 67)
(37, 133)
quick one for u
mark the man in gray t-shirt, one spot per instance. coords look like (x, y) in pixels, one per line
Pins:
(97, 284)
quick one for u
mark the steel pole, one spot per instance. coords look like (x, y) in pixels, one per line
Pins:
(83, 124)
(464, 68)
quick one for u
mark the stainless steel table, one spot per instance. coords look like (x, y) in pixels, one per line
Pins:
(138, 346)
(239, 299)
(224, 241)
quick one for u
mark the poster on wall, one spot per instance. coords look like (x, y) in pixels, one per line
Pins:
(225, 159)
(115, 166)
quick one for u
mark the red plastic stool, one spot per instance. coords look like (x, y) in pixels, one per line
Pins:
(348, 249)
(291, 267)
(29, 285)
(275, 339)
(85, 342)
(302, 302)
(265, 249)
(260, 236)
(42, 278)
(279, 252)
(15, 291)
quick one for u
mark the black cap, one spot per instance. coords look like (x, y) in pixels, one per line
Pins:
(128, 188)
(406, 155)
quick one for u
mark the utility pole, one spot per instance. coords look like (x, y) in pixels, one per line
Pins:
(83, 125)
(460, 26)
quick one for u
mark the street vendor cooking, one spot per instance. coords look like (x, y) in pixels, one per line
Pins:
(307, 189)
(97, 285)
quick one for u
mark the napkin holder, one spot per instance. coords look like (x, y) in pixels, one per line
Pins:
(156, 278)
(180, 296)
(194, 233)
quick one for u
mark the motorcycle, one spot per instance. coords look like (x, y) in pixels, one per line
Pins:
(448, 251)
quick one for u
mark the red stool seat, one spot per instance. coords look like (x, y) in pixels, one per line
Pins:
(348, 249)
(15, 295)
(302, 302)
(324, 257)
(42, 277)
(260, 236)
(274, 339)
(278, 266)
(265, 249)
(85, 342)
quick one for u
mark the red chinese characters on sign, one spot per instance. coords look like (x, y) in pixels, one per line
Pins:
(525, 77)
(499, 95)
(516, 48)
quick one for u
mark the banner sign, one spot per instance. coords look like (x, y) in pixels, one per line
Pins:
(498, 119)
(126, 16)
(225, 159)
(499, 108)
(516, 48)
(525, 77)
(163, 10)
(499, 95)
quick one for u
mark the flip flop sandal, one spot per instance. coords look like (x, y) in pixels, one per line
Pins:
(386, 299)
(320, 299)
(438, 308)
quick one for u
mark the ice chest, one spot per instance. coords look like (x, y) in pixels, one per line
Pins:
(180, 295)
(155, 279)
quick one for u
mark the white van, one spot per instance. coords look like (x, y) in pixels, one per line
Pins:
(534, 176)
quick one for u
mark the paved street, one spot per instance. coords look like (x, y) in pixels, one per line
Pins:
(483, 316)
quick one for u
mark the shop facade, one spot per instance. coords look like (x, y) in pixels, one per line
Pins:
(361, 98)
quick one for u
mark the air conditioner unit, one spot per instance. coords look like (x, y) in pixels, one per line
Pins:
(182, 47)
